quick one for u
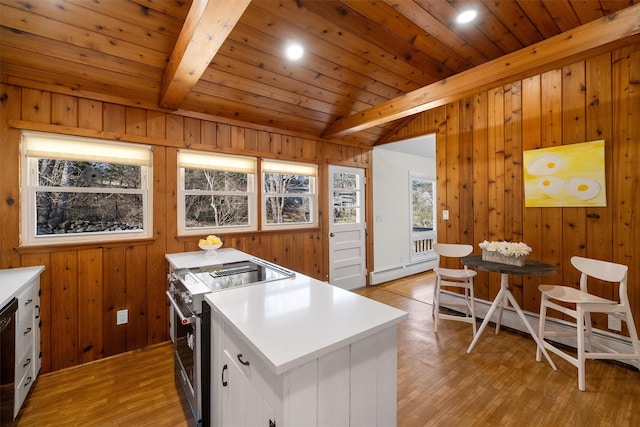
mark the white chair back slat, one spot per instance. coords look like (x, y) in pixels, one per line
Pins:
(602, 270)
(452, 250)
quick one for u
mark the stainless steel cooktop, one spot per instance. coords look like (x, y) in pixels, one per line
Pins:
(225, 276)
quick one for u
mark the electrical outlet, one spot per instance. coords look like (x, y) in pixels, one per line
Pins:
(122, 317)
(614, 323)
(445, 215)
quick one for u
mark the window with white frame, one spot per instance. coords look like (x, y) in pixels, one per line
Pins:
(289, 196)
(216, 192)
(78, 189)
(423, 232)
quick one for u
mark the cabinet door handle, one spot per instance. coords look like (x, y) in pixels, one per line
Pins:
(27, 331)
(224, 383)
(38, 308)
(27, 363)
(28, 381)
(245, 363)
(27, 302)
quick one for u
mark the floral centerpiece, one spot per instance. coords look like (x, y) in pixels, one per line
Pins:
(511, 253)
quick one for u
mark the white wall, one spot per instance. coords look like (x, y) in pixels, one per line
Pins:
(391, 204)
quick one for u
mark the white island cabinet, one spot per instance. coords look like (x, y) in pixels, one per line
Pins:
(24, 284)
(300, 352)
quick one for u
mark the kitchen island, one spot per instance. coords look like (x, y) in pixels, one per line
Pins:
(299, 351)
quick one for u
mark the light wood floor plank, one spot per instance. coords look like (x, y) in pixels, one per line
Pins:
(439, 384)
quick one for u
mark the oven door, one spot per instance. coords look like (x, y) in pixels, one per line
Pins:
(187, 355)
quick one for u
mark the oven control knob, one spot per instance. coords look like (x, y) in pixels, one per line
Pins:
(186, 298)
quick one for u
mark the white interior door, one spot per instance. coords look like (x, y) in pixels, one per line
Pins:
(347, 228)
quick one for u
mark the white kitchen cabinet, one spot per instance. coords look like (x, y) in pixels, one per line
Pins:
(245, 388)
(27, 341)
(24, 285)
(242, 403)
(354, 385)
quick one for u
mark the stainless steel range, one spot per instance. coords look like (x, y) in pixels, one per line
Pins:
(190, 319)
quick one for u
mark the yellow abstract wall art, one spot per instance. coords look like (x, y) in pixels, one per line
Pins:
(565, 175)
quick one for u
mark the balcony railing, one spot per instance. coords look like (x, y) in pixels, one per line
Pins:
(422, 240)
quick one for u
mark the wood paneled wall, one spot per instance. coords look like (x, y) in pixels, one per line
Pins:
(479, 145)
(83, 286)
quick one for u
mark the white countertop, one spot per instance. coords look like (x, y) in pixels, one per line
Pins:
(292, 321)
(203, 259)
(13, 279)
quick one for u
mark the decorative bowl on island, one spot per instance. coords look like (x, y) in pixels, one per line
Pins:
(210, 244)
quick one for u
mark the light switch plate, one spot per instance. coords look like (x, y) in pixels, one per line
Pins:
(445, 215)
(122, 317)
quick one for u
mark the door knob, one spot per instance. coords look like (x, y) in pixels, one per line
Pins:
(331, 234)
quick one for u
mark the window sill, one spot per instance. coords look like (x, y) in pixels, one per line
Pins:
(59, 247)
(311, 229)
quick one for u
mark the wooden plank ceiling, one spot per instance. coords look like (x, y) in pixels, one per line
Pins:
(220, 60)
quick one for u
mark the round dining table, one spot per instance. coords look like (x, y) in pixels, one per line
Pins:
(504, 296)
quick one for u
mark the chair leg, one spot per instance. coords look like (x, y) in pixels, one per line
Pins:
(589, 335)
(473, 309)
(435, 297)
(503, 304)
(580, 326)
(467, 303)
(541, 324)
(633, 333)
(435, 310)
(433, 300)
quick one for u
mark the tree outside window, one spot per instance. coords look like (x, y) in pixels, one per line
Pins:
(216, 192)
(289, 194)
(226, 202)
(82, 197)
(346, 198)
(83, 189)
(421, 204)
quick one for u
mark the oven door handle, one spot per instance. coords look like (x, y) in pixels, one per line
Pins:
(183, 319)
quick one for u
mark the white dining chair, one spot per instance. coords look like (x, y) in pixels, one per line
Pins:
(579, 304)
(454, 277)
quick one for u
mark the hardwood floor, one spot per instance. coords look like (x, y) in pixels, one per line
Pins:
(439, 384)
(132, 389)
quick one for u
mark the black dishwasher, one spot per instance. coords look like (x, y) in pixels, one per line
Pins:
(7, 361)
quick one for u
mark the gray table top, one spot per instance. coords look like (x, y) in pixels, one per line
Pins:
(531, 267)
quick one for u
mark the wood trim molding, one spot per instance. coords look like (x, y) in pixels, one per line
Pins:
(125, 137)
(91, 133)
(62, 247)
(517, 65)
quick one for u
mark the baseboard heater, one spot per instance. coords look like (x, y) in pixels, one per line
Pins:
(382, 276)
(511, 320)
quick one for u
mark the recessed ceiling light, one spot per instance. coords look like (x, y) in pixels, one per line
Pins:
(294, 51)
(466, 16)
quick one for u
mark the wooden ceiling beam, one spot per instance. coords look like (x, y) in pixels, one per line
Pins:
(207, 26)
(517, 65)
